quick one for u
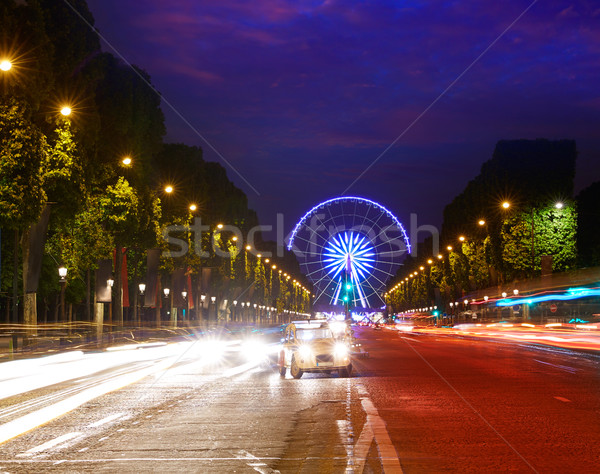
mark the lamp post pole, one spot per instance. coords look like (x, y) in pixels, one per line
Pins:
(142, 288)
(62, 273)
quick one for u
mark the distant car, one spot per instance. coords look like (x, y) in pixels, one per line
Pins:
(311, 346)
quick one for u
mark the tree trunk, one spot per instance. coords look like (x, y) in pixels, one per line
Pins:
(118, 309)
(29, 298)
(15, 282)
(88, 291)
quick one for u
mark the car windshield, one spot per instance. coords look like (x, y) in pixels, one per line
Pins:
(310, 334)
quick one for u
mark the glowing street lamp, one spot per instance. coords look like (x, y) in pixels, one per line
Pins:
(126, 161)
(142, 288)
(559, 205)
(66, 111)
(462, 238)
(166, 291)
(506, 204)
(504, 294)
(168, 189)
(481, 222)
(5, 65)
(62, 273)
(515, 292)
(193, 207)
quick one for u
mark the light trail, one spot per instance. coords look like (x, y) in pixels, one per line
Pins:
(557, 335)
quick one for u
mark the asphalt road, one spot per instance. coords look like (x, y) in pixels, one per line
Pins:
(420, 403)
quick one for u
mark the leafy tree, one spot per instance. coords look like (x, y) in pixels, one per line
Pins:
(23, 150)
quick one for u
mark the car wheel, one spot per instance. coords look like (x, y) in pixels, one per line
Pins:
(295, 370)
(346, 371)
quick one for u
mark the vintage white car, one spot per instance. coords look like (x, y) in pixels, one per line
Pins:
(312, 346)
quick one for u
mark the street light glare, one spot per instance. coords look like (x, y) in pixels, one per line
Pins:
(126, 161)
(559, 205)
(66, 111)
(193, 207)
(481, 222)
(169, 189)
(506, 204)
(5, 65)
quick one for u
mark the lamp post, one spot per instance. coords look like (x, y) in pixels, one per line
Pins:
(213, 301)
(62, 273)
(110, 283)
(142, 288)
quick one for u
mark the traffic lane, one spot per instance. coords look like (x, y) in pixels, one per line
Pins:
(460, 405)
(220, 419)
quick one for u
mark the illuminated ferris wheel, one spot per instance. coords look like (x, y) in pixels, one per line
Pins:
(349, 247)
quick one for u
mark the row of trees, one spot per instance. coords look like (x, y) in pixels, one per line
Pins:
(83, 169)
(514, 221)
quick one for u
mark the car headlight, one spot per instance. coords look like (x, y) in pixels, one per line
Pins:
(340, 350)
(305, 351)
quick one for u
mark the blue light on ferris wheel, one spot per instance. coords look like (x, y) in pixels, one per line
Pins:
(349, 251)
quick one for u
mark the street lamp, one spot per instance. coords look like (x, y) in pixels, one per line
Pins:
(184, 294)
(168, 189)
(66, 111)
(504, 294)
(516, 292)
(166, 291)
(193, 207)
(126, 161)
(142, 288)
(559, 205)
(506, 204)
(5, 65)
(62, 273)
(481, 222)
(110, 282)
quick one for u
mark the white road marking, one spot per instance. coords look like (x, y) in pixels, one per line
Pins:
(103, 421)
(563, 399)
(566, 368)
(411, 339)
(50, 444)
(257, 464)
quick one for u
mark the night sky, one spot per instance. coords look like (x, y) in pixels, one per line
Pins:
(301, 96)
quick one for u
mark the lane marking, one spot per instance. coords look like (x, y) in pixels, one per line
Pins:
(387, 452)
(103, 421)
(411, 339)
(566, 368)
(50, 444)
(257, 463)
(563, 399)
